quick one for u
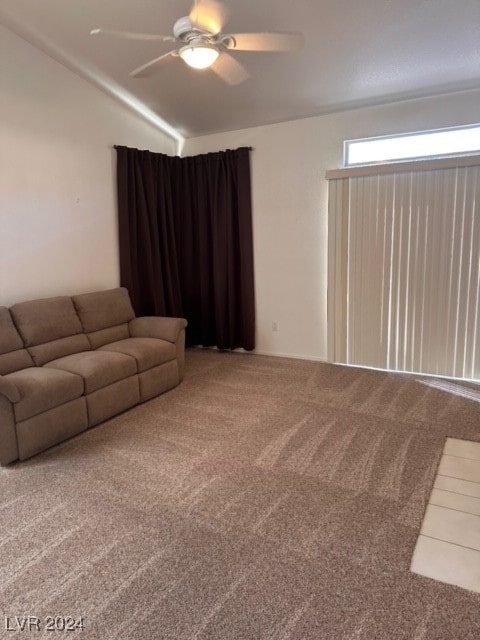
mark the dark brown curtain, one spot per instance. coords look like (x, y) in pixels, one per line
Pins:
(186, 246)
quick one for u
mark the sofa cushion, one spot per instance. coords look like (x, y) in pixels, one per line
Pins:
(42, 389)
(103, 309)
(43, 353)
(105, 336)
(97, 368)
(12, 354)
(14, 361)
(40, 321)
(148, 352)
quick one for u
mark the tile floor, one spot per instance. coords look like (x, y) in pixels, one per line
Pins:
(448, 547)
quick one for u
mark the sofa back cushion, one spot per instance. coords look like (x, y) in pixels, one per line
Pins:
(43, 353)
(13, 356)
(50, 328)
(105, 315)
(106, 336)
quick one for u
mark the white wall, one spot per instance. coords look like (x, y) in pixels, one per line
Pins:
(58, 229)
(290, 196)
(58, 220)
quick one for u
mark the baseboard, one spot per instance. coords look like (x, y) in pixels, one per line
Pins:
(275, 354)
(294, 356)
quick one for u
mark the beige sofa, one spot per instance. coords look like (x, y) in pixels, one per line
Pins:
(67, 364)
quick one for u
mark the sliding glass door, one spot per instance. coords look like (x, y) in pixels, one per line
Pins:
(404, 268)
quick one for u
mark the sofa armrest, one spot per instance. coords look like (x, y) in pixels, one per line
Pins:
(9, 389)
(155, 327)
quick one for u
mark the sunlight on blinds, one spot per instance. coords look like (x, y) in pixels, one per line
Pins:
(404, 271)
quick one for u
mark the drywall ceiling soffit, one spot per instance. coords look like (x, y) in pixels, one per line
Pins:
(356, 53)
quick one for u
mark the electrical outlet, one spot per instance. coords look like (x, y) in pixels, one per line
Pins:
(274, 325)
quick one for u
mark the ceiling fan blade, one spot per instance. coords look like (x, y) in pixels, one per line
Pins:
(150, 68)
(208, 15)
(289, 41)
(229, 69)
(129, 35)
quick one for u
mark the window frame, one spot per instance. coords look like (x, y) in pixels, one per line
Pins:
(413, 158)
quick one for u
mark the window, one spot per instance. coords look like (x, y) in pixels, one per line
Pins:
(455, 141)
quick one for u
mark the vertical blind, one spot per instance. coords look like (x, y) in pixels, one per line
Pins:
(404, 269)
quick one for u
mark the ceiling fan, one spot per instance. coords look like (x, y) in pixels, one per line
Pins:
(203, 44)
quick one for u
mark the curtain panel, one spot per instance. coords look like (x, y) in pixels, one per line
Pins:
(186, 241)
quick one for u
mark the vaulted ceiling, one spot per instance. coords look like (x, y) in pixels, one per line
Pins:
(356, 52)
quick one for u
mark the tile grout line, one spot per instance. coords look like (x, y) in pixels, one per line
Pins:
(456, 478)
(454, 544)
(453, 455)
(456, 493)
(444, 476)
(468, 513)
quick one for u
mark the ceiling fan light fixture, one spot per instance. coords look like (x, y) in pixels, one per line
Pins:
(199, 56)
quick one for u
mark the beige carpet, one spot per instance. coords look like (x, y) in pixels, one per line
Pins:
(263, 499)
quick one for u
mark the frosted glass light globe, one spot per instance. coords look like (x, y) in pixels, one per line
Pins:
(199, 57)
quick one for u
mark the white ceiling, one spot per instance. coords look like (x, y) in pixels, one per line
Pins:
(357, 52)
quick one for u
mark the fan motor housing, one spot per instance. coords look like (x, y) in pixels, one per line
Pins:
(184, 30)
